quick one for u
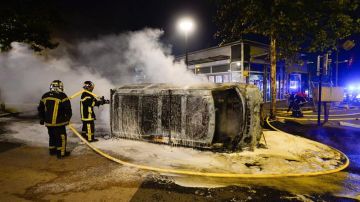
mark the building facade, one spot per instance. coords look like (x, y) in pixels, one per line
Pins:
(245, 61)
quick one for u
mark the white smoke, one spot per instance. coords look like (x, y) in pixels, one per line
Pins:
(25, 77)
(108, 61)
(117, 56)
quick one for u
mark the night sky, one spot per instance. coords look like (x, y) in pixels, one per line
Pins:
(90, 19)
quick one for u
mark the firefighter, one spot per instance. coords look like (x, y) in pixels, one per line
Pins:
(55, 112)
(291, 101)
(87, 103)
(299, 101)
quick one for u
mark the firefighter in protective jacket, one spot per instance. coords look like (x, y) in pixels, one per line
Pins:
(55, 112)
(87, 103)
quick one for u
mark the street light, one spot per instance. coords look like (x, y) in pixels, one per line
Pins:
(186, 25)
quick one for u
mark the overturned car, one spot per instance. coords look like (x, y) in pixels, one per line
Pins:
(210, 116)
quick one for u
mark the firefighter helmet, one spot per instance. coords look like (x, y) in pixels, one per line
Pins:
(57, 86)
(88, 85)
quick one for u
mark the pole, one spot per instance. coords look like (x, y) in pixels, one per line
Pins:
(326, 107)
(265, 82)
(283, 82)
(309, 84)
(273, 76)
(242, 62)
(248, 77)
(170, 112)
(337, 67)
(320, 85)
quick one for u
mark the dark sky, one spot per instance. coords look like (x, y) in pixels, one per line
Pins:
(90, 18)
(93, 18)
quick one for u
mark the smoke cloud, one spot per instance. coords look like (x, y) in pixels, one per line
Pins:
(116, 57)
(108, 61)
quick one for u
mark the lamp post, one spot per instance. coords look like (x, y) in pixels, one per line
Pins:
(186, 25)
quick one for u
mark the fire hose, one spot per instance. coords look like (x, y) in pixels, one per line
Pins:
(315, 119)
(211, 174)
(351, 114)
(205, 174)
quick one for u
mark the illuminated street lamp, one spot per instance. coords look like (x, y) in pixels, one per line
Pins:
(186, 25)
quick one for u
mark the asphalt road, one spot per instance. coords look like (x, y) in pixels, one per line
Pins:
(30, 174)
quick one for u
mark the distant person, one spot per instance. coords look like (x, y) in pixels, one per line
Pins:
(299, 101)
(327, 106)
(287, 96)
(291, 99)
(87, 103)
(55, 112)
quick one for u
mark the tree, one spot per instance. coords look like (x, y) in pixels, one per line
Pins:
(27, 21)
(292, 26)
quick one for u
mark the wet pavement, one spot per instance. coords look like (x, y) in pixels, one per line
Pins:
(30, 174)
(345, 139)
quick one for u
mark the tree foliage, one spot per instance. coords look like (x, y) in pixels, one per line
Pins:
(28, 21)
(292, 26)
(297, 25)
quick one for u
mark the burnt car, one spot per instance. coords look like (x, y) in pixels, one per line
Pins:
(211, 116)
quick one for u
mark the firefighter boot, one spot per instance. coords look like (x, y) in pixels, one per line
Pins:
(52, 151)
(59, 156)
(84, 135)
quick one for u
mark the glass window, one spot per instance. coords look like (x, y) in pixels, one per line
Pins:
(235, 66)
(219, 79)
(226, 78)
(203, 70)
(212, 79)
(220, 68)
(236, 77)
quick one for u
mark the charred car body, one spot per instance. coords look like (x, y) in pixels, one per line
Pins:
(203, 116)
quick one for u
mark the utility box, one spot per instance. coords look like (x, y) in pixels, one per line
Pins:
(329, 94)
(225, 116)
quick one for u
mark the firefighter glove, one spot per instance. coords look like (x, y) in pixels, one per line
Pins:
(104, 101)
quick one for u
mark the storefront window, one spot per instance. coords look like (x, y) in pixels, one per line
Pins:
(257, 79)
(226, 78)
(236, 77)
(212, 79)
(219, 79)
(295, 83)
(203, 70)
(220, 68)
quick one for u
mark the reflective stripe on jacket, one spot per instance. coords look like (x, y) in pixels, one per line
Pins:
(55, 109)
(87, 104)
